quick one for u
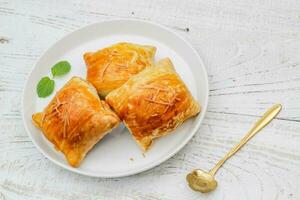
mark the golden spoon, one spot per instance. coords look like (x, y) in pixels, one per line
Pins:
(202, 181)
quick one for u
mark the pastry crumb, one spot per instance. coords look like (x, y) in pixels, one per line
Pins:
(144, 155)
(131, 159)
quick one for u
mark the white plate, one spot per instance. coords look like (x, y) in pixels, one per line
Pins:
(117, 154)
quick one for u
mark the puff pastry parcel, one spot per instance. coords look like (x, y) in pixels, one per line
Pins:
(153, 103)
(75, 120)
(111, 67)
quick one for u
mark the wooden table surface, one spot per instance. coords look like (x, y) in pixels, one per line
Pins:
(251, 50)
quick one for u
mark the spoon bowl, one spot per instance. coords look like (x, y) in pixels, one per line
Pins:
(202, 181)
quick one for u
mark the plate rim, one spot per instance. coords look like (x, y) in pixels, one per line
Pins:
(146, 167)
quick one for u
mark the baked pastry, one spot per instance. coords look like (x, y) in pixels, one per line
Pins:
(153, 103)
(75, 120)
(111, 67)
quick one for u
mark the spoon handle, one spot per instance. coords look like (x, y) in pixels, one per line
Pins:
(264, 120)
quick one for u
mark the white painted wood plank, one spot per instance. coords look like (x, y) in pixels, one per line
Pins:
(250, 49)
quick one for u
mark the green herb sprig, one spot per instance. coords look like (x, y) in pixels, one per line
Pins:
(61, 68)
(45, 86)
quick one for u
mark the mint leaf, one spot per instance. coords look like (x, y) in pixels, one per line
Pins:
(61, 68)
(45, 87)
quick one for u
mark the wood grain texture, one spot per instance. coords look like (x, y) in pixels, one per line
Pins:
(251, 51)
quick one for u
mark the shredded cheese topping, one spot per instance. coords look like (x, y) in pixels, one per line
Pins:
(63, 115)
(103, 71)
(154, 87)
(122, 65)
(153, 99)
(134, 57)
(115, 53)
(158, 102)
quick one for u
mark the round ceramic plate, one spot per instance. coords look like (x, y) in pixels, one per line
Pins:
(117, 154)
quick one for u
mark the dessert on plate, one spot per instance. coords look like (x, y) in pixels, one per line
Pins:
(111, 67)
(153, 103)
(75, 120)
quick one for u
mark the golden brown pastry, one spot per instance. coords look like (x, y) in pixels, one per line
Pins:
(111, 67)
(75, 120)
(153, 103)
